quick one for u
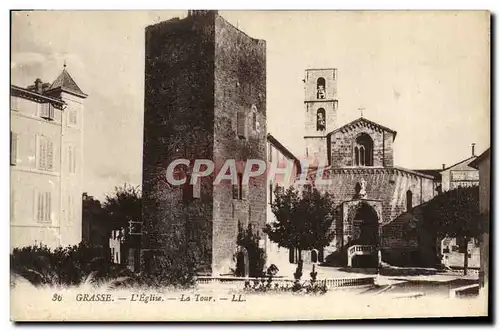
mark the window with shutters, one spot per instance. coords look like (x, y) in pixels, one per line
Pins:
(241, 125)
(72, 117)
(45, 153)
(71, 159)
(13, 148)
(43, 207)
(47, 111)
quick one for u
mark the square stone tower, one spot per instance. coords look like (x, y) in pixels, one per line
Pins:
(205, 98)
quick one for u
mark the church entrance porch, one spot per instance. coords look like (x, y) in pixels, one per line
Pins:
(361, 232)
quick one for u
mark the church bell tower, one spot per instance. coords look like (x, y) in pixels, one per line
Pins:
(320, 106)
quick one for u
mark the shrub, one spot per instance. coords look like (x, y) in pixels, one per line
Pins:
(74, 265)
(70, 265)
(307, 287)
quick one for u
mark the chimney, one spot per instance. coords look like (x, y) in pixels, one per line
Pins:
(444, 166)
(473, 145)
(38, 85)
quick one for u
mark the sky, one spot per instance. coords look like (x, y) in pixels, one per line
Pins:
(422, 74)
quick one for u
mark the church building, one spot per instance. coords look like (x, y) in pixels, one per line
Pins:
(374, 220)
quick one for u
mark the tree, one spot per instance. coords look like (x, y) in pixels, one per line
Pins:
(123, 205)
(303, 219)
(455, 214)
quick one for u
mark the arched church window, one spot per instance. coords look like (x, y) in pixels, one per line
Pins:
(363, 150)
(409, 200)
(321, 120)
(321, 88)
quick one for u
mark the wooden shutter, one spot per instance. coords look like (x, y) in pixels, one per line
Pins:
(48, 207)
(39, 207)
(50, 154)
(13, 148)
(71, 159)
(51, 111)
(72, 117)
(41, 153)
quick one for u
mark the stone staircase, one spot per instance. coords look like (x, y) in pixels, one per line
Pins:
(359, 250)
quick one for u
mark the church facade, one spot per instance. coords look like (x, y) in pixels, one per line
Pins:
(375, 219)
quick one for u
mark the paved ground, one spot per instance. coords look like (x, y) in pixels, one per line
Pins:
(429, 285)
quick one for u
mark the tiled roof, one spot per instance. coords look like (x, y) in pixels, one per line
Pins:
(475, 163)
(432, 172)
(283, 149)
(67, 84)
(464, 162)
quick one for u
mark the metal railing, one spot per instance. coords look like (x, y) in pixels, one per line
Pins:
(329, 282)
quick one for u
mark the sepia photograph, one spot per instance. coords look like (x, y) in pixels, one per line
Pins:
(249, 165)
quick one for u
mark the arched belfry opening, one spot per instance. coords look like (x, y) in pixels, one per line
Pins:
(321, 120)
(321, 88)
(363, 150)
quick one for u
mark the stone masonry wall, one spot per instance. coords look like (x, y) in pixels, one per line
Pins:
(240, 86)
(388, 185)
(178, 123)
(342, 147)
